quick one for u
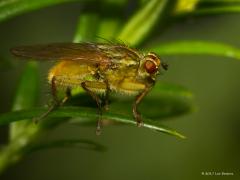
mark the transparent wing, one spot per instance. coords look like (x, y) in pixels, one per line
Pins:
(88, 53)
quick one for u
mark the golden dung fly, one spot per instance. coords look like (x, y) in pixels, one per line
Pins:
(98, 68)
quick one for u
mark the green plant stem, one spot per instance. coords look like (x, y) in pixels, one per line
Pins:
(107, 29)
(10, 8)
(14, 151)
(26, 96)
(21, 133)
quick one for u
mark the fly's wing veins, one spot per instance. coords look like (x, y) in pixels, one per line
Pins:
(86, 53)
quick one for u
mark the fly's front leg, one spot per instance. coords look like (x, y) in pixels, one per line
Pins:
(137, 101)
(106, 87)
(87, 87)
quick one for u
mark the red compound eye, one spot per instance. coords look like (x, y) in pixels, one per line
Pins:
(150, 67)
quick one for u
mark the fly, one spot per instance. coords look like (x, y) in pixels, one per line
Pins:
(99, 68)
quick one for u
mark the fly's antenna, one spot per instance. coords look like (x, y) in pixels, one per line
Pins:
(164, 66)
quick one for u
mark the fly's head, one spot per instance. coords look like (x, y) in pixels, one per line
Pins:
(150, 66)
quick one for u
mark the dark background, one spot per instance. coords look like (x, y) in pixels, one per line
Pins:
(137, 153)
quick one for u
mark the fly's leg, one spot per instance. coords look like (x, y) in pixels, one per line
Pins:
(106, 97)
(98, 101)
(56, 102)
(67, 96)
(137, 101)
(53, 105)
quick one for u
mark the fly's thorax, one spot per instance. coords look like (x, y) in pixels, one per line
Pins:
(149, 66)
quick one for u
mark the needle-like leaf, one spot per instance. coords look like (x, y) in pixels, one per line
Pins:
(10, 8)
(213, 7)
(26, 95)
(166, 101)
(138, 27)
(197, 48)
(82, 115)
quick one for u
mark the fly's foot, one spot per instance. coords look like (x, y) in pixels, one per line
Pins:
(137, 116)
(51, 108)
(99, 127)
(35, 120)
(106, 107)
(98, 131)
(139, 123)
(138, 119)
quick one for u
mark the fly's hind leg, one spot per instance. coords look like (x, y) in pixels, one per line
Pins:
(67, 96)
(56, 103)
(87, 87)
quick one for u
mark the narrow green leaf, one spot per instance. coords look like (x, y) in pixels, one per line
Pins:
(86, 27)
(213, 7)
(138, 27)
(107, 29)
(27, 90)
(9, 8)
(67, 143)
(218, 2)
(110, 21)
(215, 10)
(126, 119)
(183, 6)
(197, 48)
(82, 115)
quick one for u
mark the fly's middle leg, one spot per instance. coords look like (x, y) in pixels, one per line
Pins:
(106, 96)
(88, 86)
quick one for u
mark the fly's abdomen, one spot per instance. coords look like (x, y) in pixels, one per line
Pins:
(71, 74)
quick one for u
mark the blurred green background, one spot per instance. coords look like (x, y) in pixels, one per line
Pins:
(212, 143)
